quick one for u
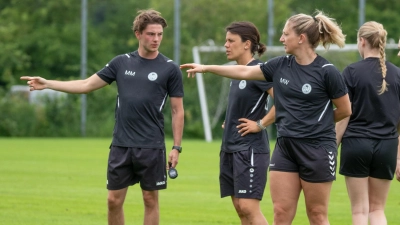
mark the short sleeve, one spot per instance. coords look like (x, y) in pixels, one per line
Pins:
(263, 85)
(109, 71)
(347, 79)
(175, 83)
(334, 82)
(268, 68)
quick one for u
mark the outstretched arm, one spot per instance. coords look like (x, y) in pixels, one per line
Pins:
(177, 128)
(238, 72)
(92, 83)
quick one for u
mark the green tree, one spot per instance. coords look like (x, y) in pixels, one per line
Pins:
(42, 38)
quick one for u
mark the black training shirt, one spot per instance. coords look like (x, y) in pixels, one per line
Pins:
(143, 88)
(247, 99)
(374, 115)
(303, 96)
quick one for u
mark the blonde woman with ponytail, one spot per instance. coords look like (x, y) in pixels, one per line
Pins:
(369, 136)
(306, 89)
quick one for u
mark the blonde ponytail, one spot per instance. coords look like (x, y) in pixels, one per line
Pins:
(383, 67)
(374, 33)
(319, 29)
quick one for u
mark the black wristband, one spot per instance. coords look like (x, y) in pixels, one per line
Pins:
(179, 148)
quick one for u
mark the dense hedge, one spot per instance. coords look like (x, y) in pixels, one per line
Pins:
(57, 117)
(62, 117)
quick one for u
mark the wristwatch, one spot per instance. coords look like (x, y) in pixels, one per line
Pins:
(259, 124)
(179, 148)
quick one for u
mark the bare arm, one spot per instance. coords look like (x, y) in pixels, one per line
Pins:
(341, 116)
(177, 128)
(250, 126)
(238, 72)
(343, 107)
(92, 83)
(340, 129)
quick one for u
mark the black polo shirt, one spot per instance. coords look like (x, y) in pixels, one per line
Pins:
(143, 88)
(247, 99)
(374, 115)
(303, 94)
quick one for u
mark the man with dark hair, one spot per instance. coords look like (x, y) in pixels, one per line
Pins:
(145, 78)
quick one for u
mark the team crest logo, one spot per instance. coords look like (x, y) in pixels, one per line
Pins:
(306, 89)
(152, 76)
(242, 84)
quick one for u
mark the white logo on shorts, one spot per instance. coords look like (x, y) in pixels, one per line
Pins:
(306, 89)
(160, 183)
(332, 166)
(152, 76)
(242, 191)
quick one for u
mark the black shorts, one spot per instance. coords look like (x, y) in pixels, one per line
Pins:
(366, 157)
(314, 160)
(243, 174)
(128, 166)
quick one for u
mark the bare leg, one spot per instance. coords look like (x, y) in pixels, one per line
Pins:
(357, 188)
(378, 192)
(249, 211)
(285, 190)
(316, 196)
(242, 217)
(151, 208)
(115, 202)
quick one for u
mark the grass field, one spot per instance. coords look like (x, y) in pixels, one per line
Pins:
(62, 181)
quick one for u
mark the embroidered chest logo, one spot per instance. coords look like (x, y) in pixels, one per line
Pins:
(284, 81)
(242, 84)
(152, 76)
(130, 73)
(306, 89)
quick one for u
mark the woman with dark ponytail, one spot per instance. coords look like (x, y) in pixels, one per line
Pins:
(244, 155)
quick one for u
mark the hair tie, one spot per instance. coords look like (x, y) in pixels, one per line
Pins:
(315, 19)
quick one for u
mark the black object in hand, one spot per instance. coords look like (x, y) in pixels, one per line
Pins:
(172, 172)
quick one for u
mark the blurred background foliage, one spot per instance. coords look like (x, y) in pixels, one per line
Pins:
(42, 38)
